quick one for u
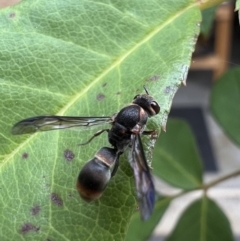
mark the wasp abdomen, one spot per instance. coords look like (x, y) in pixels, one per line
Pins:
(96, 174)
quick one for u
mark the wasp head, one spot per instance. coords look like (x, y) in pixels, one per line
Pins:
(147, 103)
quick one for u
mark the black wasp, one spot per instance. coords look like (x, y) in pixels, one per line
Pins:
(126, 127)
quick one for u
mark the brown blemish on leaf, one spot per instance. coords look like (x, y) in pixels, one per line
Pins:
(56, 199)
(167, 90)
(25, 155)
(100, 97)
(28, 227)
(118, 93)
(12, 15)
(104, 84)
(153, 78)
(69, 155)
(35, 210)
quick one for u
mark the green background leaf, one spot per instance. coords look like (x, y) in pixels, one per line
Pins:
(141, 231)
(202, 220)
(237, 5)
(208, 16)
(84, 58)
(224, 102)
(176, 159)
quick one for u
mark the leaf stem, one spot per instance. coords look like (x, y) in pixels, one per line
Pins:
(221, 179)
(205, 187)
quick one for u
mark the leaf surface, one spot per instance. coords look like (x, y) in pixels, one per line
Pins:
(202, 220)
(237, 5)
(80, 58)
(208, 16)
(224, 102)
(176, 158)
(141, 231)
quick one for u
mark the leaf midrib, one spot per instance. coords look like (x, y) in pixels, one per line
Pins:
(120, 60)
(32, 89)
(180, 168)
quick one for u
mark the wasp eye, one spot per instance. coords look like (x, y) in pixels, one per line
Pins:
(136, 97)
(155, 106)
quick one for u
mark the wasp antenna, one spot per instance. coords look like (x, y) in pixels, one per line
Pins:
(145, 88)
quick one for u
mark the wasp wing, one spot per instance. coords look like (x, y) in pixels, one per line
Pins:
(143, 179)
(47, 123)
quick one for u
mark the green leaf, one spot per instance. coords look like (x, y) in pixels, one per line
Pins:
(141, 231)
(202, 220)
(81, 58)
(237, 5)
(237, 9)
(224, 102)
(176, 159)
(208, 16)
(209, 3)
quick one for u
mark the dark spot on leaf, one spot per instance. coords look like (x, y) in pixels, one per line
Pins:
(153, 78)
(43, 176)
(118, 93)
(70, 195)
(104, 84)
(12, 15)
(69, 155)
(27, 227)
(25, 155)
(56, 199)
(35, 210)
(48, 239)
(167, 90)
(100, 97)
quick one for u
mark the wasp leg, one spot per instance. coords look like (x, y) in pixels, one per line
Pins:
(95, 135)
(116, 164)
(115, 168)
(152, 133)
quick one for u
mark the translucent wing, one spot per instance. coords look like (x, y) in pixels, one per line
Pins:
(47, 123)
(143, 179)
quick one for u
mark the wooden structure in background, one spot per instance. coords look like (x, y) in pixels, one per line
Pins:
(218, 61)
